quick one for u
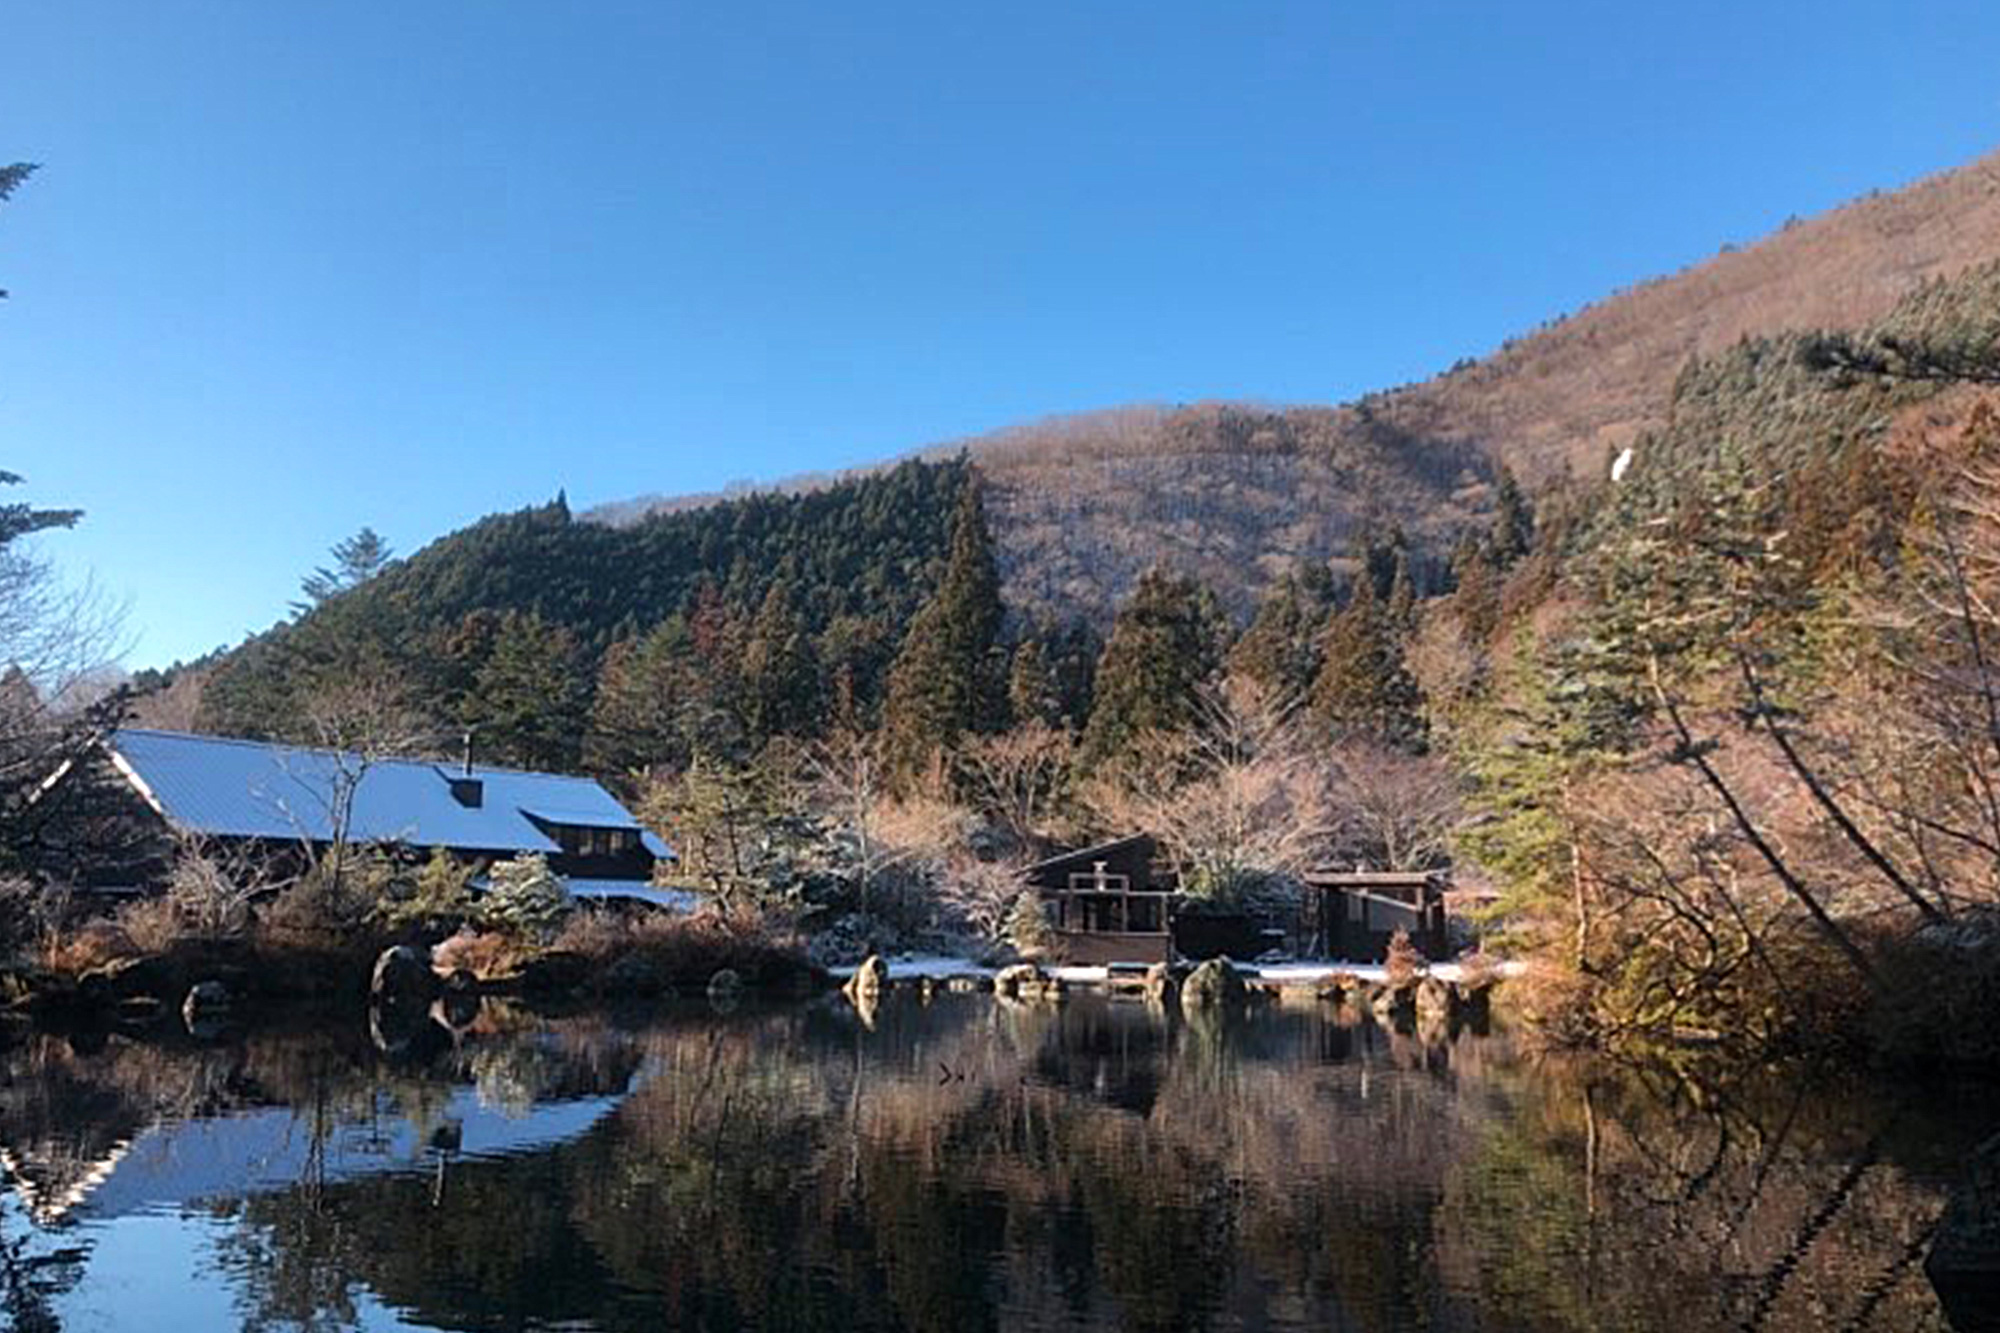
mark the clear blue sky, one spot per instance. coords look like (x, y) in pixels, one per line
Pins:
(292, 268)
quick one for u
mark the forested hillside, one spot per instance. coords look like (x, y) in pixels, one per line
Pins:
(478, 625)
(1239, 494)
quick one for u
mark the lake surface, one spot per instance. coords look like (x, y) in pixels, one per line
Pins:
(960, 1164)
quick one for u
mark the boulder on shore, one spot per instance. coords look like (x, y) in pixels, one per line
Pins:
(1022, 981)
(1215, 982)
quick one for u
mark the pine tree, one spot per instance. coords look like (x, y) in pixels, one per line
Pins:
(780, 674)
(356, 560)
(1402, 607)
(1513, 522)
(1280, 650)
(530, 701)
(1166, 643)
(946, 679)
(644, 689)
(1476, 599)
(1364, 686)
(1031, 687)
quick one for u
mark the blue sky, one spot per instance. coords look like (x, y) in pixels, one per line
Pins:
(290, 269)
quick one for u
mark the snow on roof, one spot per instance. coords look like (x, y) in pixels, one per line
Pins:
(250, 789)
(674, 900)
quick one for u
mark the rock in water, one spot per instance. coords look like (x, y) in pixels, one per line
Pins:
(403, 979)
(871, 978)
(1215, 982)
(1019, 981)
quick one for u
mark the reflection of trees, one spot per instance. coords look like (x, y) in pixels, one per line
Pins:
(969, 1165)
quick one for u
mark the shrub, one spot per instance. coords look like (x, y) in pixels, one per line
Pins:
(1403, 961)
(1028, 926)
(525, 900)
(206, 897)
(485, 954)
(94, 945)
(440, 891)
(691, 948)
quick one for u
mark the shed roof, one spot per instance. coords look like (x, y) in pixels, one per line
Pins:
(1371, 879)
(1088, 854)
(250, 789)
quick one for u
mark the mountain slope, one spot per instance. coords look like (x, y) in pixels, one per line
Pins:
(1081, 505)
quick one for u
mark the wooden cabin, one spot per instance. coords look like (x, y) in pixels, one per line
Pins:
(1351, 914)
(1107, 904)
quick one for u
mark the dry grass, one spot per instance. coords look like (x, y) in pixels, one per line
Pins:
(485, 954)
(688, 949)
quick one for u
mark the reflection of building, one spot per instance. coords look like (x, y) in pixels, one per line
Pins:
(1107, 904)
(1351, 915)
(271, 801)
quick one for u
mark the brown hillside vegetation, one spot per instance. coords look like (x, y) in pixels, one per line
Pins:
(1236, 493)
(1577, 391)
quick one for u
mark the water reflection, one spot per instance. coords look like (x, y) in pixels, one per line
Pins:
(959, 1163)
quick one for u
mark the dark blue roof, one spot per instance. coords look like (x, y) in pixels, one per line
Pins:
(233, 788)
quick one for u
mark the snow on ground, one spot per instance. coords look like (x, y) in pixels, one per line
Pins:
(909, 967)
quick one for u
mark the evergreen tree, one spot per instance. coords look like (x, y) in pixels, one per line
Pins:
(854, 655)
(1364, 685)
(1513, 522)
(1031, 687)
(1166, 643)
(356, 560)
(945, 681)
(1476, 599)
(1280, 650)
(780, 675)
(530, 702)
(1402, 607)
(644, 689)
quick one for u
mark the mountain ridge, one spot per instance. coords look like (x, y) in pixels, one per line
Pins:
(1240, 493)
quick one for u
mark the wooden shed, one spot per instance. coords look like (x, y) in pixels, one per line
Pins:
(1351, 914)
(1107, 904)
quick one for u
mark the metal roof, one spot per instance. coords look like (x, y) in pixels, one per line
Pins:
(249, 789)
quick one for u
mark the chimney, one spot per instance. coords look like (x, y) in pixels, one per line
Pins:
(466, 789)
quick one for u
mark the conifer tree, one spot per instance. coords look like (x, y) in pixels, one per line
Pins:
(644, 689)
(1402, 607)
(1364, 686)
(1166, 643)
(356, 560)
(1031, 687)
(1476, 600)
(780, 674)
(530, 701)
(946, 679)
(1513, 522)
(1280, 650)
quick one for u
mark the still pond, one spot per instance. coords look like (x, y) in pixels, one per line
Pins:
(957, 1164)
